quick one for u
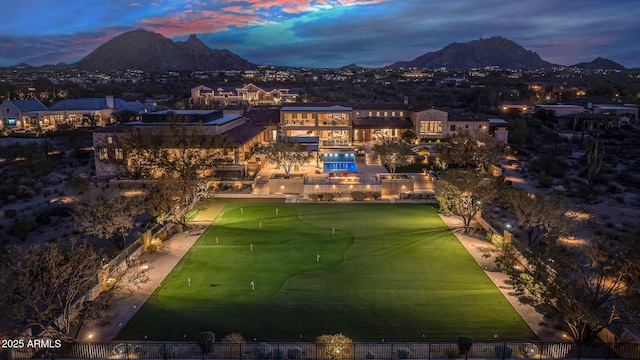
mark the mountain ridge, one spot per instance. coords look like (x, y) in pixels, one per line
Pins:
(150, 51)
(493, 51)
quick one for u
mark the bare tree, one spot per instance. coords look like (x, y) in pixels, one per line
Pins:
(543, 218)
(287, 153)
(170, 199)
(46, 282)
(464, 193)
(587, 289)
(393, 153)
(186, 151)
(478, 152)
(133, 149)
(109, 215)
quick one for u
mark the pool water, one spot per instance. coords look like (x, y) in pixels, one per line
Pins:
(343, 166)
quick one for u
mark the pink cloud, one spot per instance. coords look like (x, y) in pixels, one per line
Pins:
(191, 22)
(297, 6)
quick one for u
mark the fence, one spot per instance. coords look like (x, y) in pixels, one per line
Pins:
(314, 351)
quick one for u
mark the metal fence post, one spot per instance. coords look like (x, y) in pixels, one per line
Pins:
(579, 350)
(164, 350)
(429, 350)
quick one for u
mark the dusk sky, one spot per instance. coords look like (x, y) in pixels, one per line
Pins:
(325, 33)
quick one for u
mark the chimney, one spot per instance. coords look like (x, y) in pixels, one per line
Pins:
(110, 104)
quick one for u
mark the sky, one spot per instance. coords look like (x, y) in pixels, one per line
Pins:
(325, 33)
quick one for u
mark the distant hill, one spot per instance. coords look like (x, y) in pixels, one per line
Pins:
(149, 51)
(494, 51)
(600, 63)
(352, 66)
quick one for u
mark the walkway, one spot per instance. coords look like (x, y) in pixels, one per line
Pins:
(478, 248)
(153, 269)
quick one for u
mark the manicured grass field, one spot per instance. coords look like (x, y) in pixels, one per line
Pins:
(390, 271)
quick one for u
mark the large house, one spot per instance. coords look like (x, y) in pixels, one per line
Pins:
(329, 129)
(20, 114)
(249, 94)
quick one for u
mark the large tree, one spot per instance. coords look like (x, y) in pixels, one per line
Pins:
(464, 193)
(393, 153)
(587, 288)
(134, 149)
(169, 200)
(287, 153)
(45, 283)
(543, 218)
(109, 215)
(471, 151)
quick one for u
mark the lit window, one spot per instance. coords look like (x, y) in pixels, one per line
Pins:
(370, 113)
(118, 154)
(104, 154)
(109, 140)
(393, 113)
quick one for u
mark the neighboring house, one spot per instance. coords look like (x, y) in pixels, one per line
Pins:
(83, 112)
(498, 128)
(249, 94)
(244, 136)
(20, 114)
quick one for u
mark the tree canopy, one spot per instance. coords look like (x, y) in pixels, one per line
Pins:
(463, 193)
(393, 153)
(287, 153)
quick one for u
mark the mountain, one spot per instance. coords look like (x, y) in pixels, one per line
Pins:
(494, 51)
(600, 64)
(149, 51)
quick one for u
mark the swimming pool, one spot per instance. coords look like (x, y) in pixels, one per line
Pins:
(343, 166)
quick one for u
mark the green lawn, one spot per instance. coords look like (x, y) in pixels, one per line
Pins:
(390, 271)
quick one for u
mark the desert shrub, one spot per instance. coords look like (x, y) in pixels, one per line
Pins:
(314, 197)
(21, 228)
(464, 344)
(205, 340)
(403, 353)
(10, 213)
(294, 352)
(234, 348)
(25, 192)
(263, 351)
(162, 235)
(60, 210)
(335, 346)
(167, 351)
(496, 239)
(545, 180)
(328, 196)
(43, 218)
(376, 195)
(503, 351)
(358, 195)
(370, 355)
(615, 188)
(78, 183)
